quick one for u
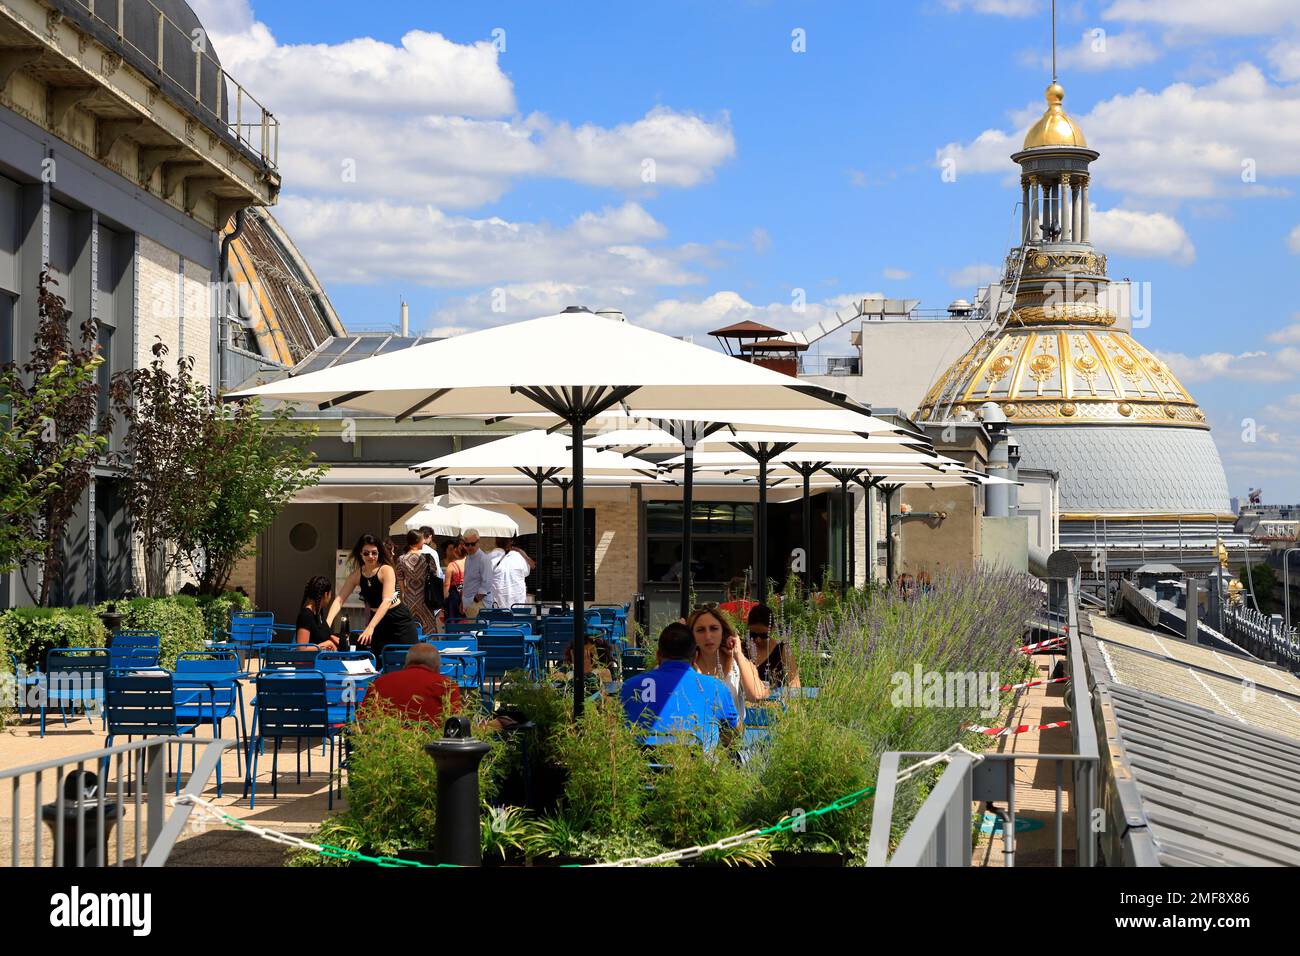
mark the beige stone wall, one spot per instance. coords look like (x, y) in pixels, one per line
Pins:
(164, 300)
(616, 550)
(245, 576)
(940, 547)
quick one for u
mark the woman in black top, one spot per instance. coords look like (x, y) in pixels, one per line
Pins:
(372, 571)
(312, 628)
(775, 662)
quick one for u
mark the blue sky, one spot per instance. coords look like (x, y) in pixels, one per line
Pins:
(486, 162)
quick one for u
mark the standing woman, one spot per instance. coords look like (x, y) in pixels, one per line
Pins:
(372, 571)
(413, 569)
(454, 562)
(718, 653)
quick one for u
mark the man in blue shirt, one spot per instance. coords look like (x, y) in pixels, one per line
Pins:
(676, 699)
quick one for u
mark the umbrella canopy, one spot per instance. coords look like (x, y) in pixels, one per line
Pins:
(651, 439)
(498, 521)
(535, 451)
(574, 365)
(826, 420)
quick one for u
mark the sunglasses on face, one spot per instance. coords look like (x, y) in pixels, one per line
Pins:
(370, 554)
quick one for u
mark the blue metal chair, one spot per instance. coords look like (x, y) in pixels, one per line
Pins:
(456, 669)
(462, 627)
(507, 649)
(274, 656)
(73, 675)
(557, 635)
(248, 630)
(23, 682)
(208, 691)
(144, 705)
(132, 650)
(394, 658)
(342, 696)
(290, 704)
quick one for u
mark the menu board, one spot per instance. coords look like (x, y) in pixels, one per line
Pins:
(552, 562)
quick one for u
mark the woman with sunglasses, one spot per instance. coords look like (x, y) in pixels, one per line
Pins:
(772, 659)
(390, 621)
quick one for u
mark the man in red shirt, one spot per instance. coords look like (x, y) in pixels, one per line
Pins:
(419, 690)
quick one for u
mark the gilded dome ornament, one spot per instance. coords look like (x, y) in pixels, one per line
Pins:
(1126, 409)
(1171, 411)
(1010, 409)
(1068, 409)
(1054, 127)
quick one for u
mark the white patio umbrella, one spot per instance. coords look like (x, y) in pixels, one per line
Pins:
(575, 366)
(760, 447)
(541, 457)
(498, 521)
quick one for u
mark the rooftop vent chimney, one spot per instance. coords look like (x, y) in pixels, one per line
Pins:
(613, 314)
(406, 320)
(960, 309)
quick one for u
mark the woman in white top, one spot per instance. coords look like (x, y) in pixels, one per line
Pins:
(718, 653)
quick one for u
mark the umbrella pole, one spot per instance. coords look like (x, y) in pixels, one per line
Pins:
(541, 550)
(579, 564)
(853, 556)
(688, 501)
(807, 533)
(889, 535)
(844, 535)
(564, 534)
(868, 527)
(762, 529)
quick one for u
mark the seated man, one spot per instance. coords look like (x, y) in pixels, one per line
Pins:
(419, 690)
(674, 698)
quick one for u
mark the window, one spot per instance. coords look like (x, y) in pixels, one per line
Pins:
(722, 547)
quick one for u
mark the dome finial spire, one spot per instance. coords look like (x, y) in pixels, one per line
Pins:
(1054, 43)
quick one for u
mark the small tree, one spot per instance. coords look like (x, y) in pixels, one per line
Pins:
(252, 465)
(29, 475)
(57, 437)
(167, 418)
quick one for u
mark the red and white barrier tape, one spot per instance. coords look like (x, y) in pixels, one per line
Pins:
(1008, 731)
(1034, 683)
(1044, 645)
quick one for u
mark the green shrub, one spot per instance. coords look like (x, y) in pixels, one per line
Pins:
(216, 609)
(29, 631)
(178, 619)
(605, 786)
(697, 797)
(809, 762)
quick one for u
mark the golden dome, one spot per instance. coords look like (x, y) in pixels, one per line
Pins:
(1054, 128)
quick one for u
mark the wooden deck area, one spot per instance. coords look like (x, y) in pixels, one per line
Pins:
(1035, 779)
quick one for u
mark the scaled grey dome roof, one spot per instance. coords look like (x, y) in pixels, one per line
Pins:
(1127, 468)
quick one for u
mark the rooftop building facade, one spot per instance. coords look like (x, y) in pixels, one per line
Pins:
(125, 149)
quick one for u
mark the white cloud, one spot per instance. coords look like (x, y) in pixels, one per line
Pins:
(1098, 49)
(896, 275)
(1285, 59)
(1198, 137)
(1147, 234)
(1239, 17)
(366, 242)
(1255, 366)
(437, 120)
(973, 276)
(761, 240)
(1293, 240)
(1290, 335)
(1002, 8)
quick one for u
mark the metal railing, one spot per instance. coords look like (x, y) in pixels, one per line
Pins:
(1262, 635)
(134, 794)
(184, 58)
(941, 832)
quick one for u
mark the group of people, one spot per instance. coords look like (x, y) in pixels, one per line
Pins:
(704, 675)
(418, 587)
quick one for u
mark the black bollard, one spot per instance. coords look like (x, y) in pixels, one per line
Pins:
(457, 839)
(80, 791)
